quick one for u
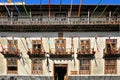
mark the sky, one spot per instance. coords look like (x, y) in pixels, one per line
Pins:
(113, 2)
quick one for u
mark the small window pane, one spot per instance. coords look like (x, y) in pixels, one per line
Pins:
(85, 66)
(36, 66)
(12, 66)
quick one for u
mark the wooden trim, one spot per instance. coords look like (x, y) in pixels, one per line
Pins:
(110, 41)
(9, 41)
(12, 72)
(113, 71)
(60, 45)
(74, 72)
(85, 70)
(84, 44)
(39, 42)
(38, 71)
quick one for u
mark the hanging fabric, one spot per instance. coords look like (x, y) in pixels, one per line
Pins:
(42, 45)
(14, 46)
(40, 6)
(2, 47)
(79, 8)
(71, 8)
(97, 44)
(103, 11)
(49, 44)
(72, 45)
(6, 8)
(25, 8)
(115, 11)
(78, 50)
(17, 9)
(27, 44)
(60, 5)
(96, 7)
(49, 2)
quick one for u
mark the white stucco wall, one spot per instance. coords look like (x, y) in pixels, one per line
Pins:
(97, 64)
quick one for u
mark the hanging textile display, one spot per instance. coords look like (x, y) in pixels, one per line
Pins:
(49, 44)
(60, 5)
(71, 8)
(97, 44)
(13, 45)
(49, 8)
(6, 8)
(2, 47)
(25, 8)
(79, 8)
(17, 10)
(42, 45)
(72, 45)
(103, 11)
(96, 7)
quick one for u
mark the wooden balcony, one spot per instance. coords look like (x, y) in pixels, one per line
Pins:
(110, 72)
(84, 72)
(111, 53)
(37, 72)
(61, 54)
(12, 53)
(36, 53)
(89, 53)
(12, 72)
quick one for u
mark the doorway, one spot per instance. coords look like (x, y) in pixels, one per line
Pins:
(60, 71)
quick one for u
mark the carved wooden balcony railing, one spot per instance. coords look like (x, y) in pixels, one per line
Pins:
(111, 52)
(84, 72)
(36, 72)
(62, 54)
(12, 53)
(111, 49)
(12, 72)
(86, 53)
(36, 53)
(57, 20)
(110, 71)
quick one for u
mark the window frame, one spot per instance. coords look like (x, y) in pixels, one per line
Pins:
(10, 44)
(16, 65)
(82, 72)
(38, 65)
(109, 65)
(36, 42)
(84, 51)
(60, 44)
(113, 42)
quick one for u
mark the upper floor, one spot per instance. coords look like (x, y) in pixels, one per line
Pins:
(60, 15)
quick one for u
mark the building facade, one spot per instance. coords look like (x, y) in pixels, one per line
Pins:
(52, 44)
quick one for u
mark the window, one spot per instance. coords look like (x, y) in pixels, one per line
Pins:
(37, 66)
(60, 46)
(12, 46)
(85, 66)
(85, 46)
(110, 66)
(111, 46)
(36, 46)
(12, 66)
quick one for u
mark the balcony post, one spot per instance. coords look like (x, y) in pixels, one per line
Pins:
(88, 17)
(30, 15)
(109, 16)
(11, 17)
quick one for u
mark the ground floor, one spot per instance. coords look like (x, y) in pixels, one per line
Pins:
(51, 78)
